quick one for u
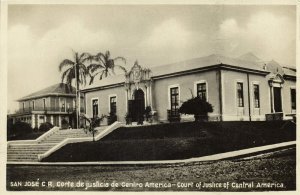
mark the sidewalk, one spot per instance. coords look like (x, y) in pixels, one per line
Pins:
(214, 157)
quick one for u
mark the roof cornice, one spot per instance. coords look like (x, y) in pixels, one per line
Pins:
(103, 87)
(186, 72)
(46, 95)
(289, 77)
(213, 67)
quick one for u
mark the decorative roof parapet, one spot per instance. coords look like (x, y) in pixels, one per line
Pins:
(137, 74)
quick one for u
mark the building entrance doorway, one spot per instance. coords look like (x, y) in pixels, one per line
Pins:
(136, 107)
(277, 99)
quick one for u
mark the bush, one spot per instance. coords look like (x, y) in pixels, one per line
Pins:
(45, 126)
(196, 106)
(18, 129)
(64, 124)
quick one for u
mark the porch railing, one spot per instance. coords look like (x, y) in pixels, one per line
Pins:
(48, 109)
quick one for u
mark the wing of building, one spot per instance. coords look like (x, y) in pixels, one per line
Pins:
(54, 104)
(243, 88)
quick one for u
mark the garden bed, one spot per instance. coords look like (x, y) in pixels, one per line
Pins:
(177, 141)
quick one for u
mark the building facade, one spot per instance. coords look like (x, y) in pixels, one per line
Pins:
(55, 104)
(238, 89)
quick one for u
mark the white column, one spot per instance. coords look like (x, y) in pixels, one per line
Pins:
(150, 95)
(272, 95)
(38, 121)
(51, 120)
(32, 121)
(59, 120)
(146, 98)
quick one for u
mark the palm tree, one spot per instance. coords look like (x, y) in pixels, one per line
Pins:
(77, 70)
(105, 66)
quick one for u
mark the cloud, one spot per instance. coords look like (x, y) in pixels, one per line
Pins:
(169, 34)
(35, 60)
(170, 41)
(267, 35)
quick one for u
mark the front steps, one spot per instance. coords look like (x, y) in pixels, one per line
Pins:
(28, 152)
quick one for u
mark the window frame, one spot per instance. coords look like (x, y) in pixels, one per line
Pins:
(237, 94)
(169, 95)
(98, 108)
(33, 104)
(254, 96)
(44, 103)
(176, 95)
(109, 102)
(196, 88)
(293, 107)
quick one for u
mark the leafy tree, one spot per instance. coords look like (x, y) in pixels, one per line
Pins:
(75, 69)
(196, 106)
(104, 66)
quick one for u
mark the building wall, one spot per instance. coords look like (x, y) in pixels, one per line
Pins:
(160, 90)
(51, 102)
(231, 110)
(38, 103)
(103, 102)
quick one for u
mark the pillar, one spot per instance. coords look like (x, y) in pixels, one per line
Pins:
(59, 120)
(32, 121)
(38, 121)
(272, 100)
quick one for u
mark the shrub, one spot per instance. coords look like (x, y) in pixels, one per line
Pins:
(148, 112)
(196, 106)
(19, 128)
(45, 126)
(64, 124)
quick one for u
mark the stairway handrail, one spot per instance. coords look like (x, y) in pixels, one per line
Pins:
(35, 141)
(66, 141)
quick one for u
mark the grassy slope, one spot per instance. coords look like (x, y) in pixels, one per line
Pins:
(278, 167)
(177, 141)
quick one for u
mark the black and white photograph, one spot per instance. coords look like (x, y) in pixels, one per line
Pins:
(158, 96)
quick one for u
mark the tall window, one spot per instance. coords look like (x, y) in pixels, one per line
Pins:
(174, 93)
(44, 103)
(113, 105)
(293, 98)
(256, 96)
(201, 91)
(240, 95)
(95, 108)
(63, 105)
(23, 105)
(33, 105)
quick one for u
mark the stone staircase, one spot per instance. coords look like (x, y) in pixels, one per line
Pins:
(29, 151)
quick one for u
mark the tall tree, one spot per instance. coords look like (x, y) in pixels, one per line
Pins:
(104, 66)
(75, 69)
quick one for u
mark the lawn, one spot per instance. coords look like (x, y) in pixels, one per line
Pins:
(176, 141)
(277, 167)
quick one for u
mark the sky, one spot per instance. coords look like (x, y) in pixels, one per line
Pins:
(41, 36)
